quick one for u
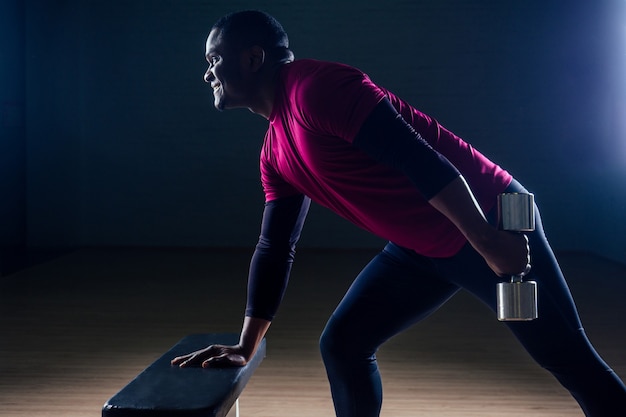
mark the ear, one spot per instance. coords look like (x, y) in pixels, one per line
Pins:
(256, 58)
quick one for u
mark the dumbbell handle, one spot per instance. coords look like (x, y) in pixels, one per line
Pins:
(520, 277)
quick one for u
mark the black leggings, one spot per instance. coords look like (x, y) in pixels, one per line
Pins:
(398, 288)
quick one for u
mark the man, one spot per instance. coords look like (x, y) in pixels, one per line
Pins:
(338, 139)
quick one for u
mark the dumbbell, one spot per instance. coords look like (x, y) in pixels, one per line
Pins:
(517, 299)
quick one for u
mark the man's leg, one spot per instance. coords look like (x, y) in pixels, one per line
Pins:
(395, 290)
(556, 340)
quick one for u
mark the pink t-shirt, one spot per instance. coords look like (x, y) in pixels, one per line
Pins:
(318, 110)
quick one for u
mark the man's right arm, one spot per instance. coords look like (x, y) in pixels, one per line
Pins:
(270, 267)
(389, 139)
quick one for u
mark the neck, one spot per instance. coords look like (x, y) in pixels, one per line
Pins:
(267, 91)
(264, 105)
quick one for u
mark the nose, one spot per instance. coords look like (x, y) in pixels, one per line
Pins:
(208, 75)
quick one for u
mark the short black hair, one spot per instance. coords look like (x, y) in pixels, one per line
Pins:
(253, 27)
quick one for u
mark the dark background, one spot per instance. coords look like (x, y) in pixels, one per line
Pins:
(109, 136)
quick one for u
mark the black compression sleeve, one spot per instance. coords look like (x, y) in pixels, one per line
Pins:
(388, 138)
(271, 262)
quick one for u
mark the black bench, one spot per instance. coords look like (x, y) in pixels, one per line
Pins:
(165, 390)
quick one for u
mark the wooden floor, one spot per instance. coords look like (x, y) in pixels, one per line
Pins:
(75, 330)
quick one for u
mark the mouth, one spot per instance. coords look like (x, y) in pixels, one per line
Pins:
(216, 87)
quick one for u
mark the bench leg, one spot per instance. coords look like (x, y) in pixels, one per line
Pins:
(234, 411)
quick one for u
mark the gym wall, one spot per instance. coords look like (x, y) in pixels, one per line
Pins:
(119, 144)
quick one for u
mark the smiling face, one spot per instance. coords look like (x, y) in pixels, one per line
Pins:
(225, 73)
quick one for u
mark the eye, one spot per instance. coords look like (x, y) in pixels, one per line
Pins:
(214, 59)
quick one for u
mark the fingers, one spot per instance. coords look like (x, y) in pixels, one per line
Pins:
(195, 358)
(186, 360)
(214, 356)
(524, 260)
(178, 360)
(224, 360)
(511, 256)
(525, 265)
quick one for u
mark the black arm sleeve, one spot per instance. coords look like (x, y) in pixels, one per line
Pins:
(388, 138)
(271, 262)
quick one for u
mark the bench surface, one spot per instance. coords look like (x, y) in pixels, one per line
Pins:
(165, 390)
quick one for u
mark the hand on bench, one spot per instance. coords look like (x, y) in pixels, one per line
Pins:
(165, 390)
(214, 356)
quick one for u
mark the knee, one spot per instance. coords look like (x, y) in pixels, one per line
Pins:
(340, 342)
(345, 345)
(331, 343)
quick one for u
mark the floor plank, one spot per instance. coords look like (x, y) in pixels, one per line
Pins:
(76, 329)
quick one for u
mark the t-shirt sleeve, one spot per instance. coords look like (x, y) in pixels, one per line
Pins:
(274, 186)
(335, 99)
